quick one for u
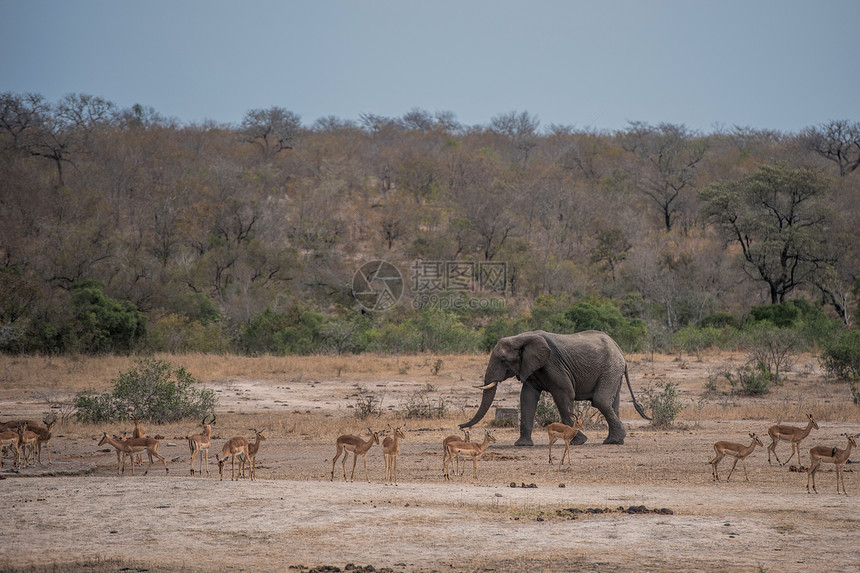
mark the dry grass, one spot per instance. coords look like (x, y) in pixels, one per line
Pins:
(804, 389)
(75, 373)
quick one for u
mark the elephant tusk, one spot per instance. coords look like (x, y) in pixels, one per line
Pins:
(486, 386)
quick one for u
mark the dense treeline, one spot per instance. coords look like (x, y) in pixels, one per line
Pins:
(122, 230)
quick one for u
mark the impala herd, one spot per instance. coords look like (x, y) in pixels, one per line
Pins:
(23, 439)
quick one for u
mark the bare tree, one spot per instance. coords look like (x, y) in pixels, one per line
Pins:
(521, 128)
(669, 155)
(837, 141)
(271, 130)
(20, 114)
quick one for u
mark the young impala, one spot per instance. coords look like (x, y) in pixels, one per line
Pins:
(233, 447)
(566, 433)
(455, 438)
(253, 448)
(9, 439)
(131, 447)
(390, 451)
(349, 443)
(737, 451)
(472, 450)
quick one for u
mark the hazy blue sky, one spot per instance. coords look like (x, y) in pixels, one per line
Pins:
(770, 64)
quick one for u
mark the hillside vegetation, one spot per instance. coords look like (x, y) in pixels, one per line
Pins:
(124, 231)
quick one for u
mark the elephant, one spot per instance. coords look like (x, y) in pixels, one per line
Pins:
(587, 365)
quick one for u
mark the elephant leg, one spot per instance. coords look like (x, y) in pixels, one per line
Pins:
(608, 405)
(564, 403)
(529, 397)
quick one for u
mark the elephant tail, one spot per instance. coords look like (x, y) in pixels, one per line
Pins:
(636, 404)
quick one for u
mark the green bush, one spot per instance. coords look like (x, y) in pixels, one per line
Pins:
(176, 333)
(665, 404)
(719, 320)
(841, 356)
(396, 338)
(694, 340)
(630, 334)
(499, 328)
(442, 331)
(548, 313)
(751, 378)
(297, 331)
(152, 388)
(345, 335)
(102, 324)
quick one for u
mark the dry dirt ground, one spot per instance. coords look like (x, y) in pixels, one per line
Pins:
(520, 514)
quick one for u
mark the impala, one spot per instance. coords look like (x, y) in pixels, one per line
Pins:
(9, 439)
(200, 443)
(44, 436)
(566, 433)
(829, 455)
(475, 451)
(737, 451)
(26, 438)
(231, 449)
(133, 446)
(349, 443)
(390, 451)
(13, 425)
(789, 434)
(455, 438)
(252, 455)
(138, 432)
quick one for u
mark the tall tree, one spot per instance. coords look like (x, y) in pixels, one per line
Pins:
(779, 219)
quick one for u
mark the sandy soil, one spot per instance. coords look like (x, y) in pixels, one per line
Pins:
(520, 514)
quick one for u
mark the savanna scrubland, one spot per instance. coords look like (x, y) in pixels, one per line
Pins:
(724, 263)
(649, 504)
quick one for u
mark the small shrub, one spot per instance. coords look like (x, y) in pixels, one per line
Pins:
(367, 405)
(436, 367)
(590, 416)
(154, 389)
(751, 378)
(665, 404)
(419, 404)
(546, 412)
(774, 348)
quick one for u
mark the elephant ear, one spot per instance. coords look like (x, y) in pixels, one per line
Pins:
(534, 354)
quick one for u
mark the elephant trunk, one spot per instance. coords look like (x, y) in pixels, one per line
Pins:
(486, 401)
